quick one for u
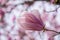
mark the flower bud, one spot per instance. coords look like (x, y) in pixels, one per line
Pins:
(31, 21)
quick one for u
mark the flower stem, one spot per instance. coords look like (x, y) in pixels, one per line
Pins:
(51, 30)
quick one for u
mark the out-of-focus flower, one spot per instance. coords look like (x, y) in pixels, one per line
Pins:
(2, 2)
(1, 15)
(52, 1)
(50, 35)
(31, 21)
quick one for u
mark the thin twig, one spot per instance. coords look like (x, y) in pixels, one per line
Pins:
(52, 31)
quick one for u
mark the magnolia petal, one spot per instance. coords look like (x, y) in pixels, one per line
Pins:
(33, 19)
(36, 13)
(51, 35)
(31, 26)
(51, 38)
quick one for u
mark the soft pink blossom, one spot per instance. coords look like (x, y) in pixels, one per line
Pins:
(31, 21)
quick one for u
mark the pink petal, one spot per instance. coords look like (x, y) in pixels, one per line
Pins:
(51, 38)
(51, 35)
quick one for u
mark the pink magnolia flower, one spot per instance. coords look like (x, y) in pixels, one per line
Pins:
(31, 21)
